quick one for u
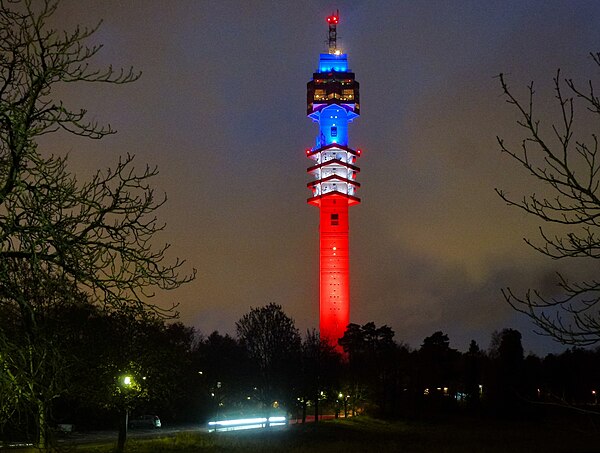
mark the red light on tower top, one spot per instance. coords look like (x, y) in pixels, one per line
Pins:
(333, 21)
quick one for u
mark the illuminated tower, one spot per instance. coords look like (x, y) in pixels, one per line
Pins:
(332, 103)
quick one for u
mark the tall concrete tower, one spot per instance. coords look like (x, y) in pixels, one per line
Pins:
(332, 103)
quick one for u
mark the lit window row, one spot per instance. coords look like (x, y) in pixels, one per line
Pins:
(344, 97)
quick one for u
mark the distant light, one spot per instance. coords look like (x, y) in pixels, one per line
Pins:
(127, 380)
(337, 52)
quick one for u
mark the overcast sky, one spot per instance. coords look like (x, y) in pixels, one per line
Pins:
(221, 109)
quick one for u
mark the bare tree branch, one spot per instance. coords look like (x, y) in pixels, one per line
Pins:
(62, 239)
(569, 169)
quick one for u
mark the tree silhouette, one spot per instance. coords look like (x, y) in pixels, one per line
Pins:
(226, 371)
(473, 373)
(506, 350)
(438, 365)
(59, 236)
(273, 344)
(321, 371)
(373, 361)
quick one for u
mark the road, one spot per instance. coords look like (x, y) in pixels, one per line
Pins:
(108, 436)
(91, 437)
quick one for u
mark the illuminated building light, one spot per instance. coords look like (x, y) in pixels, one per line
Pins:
(333, 103)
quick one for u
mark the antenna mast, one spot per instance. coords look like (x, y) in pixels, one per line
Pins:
(333, 21)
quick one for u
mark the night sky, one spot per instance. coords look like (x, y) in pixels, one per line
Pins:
(221, 110)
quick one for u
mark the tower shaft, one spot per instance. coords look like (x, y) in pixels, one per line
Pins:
(334, 254)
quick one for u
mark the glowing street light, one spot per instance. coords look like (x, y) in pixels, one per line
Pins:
(127, 383)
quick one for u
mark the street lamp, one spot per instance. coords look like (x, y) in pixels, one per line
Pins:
(126, 382)
(346, 406)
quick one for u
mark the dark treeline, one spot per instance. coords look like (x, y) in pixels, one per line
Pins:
(187, 377)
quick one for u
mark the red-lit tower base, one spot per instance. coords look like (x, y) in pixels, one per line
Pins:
(333, 102)
(334, 264)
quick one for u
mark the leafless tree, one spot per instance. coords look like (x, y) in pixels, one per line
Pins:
(567, 164)
(94, 237)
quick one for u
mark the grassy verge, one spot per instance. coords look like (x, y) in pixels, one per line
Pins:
(364, 434)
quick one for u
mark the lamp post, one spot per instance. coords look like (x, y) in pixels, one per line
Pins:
(126, 383)
(346, 406)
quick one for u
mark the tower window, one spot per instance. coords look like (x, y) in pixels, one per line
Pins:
(335, 219)
(319, 95)
(334, 131)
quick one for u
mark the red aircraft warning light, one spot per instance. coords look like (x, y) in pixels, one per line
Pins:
(333, 21)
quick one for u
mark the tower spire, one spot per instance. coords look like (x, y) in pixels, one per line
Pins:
(333, 21)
